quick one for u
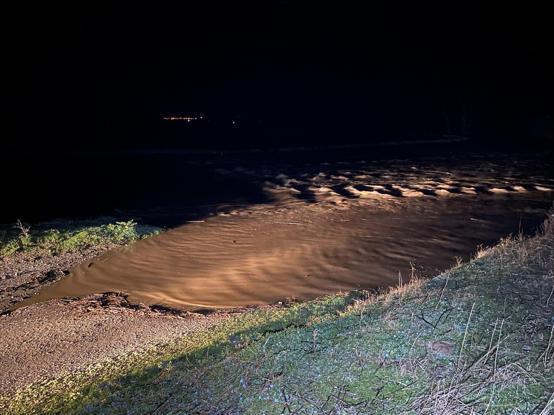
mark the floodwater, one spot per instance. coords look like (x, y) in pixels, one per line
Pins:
(326, 228)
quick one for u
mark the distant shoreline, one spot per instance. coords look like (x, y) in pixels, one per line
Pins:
(450, 139)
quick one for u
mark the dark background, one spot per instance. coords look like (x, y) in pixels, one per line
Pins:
(86, 84)
(98, 76)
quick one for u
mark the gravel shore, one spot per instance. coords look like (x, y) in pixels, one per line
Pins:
(46, 340)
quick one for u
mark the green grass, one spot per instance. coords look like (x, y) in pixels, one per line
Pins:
(476, 339)
(59, 237)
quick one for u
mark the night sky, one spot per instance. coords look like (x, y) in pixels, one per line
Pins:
(93, 76)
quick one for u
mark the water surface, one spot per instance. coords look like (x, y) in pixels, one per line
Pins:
(327, 228)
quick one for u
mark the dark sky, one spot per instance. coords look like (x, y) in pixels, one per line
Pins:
(92, 74)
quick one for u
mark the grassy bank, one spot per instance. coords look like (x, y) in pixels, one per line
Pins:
(65, 236)
(477, 339)
(33, 257)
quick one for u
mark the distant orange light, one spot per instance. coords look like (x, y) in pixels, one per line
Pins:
(182, 118)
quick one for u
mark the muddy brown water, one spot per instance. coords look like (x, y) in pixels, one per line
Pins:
(294, 249)
(324, 228)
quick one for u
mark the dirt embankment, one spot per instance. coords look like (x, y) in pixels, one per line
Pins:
(24, 274)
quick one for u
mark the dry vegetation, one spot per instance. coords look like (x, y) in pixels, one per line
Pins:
(477, 339)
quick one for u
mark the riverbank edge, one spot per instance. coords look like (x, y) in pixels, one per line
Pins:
(447, 340)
